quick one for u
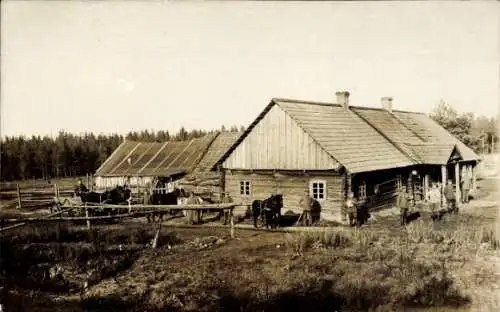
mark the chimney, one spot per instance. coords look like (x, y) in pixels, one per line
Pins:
(343, 98)
(387, 103)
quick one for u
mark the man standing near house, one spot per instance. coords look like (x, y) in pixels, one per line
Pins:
(465, 187)
(352, 208)
(403, 203)
(194, 216)
(306, 203)
(449, 194)
(434, 198)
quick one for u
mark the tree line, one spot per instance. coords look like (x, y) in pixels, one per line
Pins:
(69, 155)
(479, 133)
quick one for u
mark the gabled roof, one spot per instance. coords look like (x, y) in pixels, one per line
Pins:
(218, 147)
(345, 136)
(432, 132)
(167, 158)
(156, 159)
(367, 139)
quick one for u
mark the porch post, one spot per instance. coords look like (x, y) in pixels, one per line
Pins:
(426, 185)
(444, 176)
(347, 187)
(473, 176)
(457, 183)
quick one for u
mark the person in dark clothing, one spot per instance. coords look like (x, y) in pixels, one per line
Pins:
(81, 188)
(403, 203)
(306, 204)
(449, 194)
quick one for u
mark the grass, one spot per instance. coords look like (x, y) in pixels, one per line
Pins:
(380, 267)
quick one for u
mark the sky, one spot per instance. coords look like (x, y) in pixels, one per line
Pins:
(117, 66)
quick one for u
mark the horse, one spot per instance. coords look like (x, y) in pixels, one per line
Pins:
(116, 196)
(164, 199)
(268, 209)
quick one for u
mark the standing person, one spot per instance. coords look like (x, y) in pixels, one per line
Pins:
(465, 187)
(449, 194)
(352, 208)
(193, 215)
(434, 197)
(306, 203)
(403, 203)
(227, 199)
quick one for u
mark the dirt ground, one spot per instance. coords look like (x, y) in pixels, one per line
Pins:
(450, 265)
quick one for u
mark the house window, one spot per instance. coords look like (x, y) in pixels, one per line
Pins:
(317, 189)
(362, 190)
(244, 187)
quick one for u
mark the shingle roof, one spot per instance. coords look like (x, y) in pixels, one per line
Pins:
(345, 136)
(367, 139)
(156, 159)
(433, 153)
(218, 147)
(432, 132)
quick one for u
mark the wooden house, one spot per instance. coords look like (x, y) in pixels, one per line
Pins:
(330, 148)
(144, 164)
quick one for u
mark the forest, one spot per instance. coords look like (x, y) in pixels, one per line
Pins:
(69, 155)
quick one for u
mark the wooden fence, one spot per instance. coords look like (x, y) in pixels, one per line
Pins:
(34, 198)
(132, 211)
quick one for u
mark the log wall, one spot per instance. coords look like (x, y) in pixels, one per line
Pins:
(291, 184)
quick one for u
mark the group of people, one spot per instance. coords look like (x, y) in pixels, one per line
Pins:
(433, 197)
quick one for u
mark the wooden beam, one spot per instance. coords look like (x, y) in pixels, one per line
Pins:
(457, 184)
(124, 159)
(154, 157)
(19, 203)
(162, 207)
(444, 179)
(177, 157)
(426, 185)
(126, 172)
(473, 176)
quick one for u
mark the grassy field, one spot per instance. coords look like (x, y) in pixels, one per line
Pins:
(450, 265)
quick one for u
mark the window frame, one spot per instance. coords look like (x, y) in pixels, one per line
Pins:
(245, 188)
(311, 189)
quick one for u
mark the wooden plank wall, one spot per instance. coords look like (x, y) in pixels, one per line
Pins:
(291, 186)
(278, 142)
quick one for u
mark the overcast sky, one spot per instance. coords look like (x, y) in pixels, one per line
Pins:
(123, 65)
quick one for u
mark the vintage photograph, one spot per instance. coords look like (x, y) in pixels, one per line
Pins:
(250, 156)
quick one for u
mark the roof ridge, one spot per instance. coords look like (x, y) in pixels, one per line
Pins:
(304, 102)
(396, 145)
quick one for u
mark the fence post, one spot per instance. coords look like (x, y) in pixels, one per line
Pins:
(231, 215)
(19, 204)
(87, 215)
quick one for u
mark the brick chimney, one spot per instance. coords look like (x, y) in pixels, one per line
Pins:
(343, 98)
(387, 103)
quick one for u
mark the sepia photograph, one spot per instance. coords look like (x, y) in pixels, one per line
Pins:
(337, 156)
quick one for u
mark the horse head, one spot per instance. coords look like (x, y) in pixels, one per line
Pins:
(277, 200)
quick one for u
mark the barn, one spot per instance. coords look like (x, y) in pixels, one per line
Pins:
(330, 148)
(144, 164)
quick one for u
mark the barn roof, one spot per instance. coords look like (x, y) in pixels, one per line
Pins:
(366, 139)
(167, 158)
(218, 147)
(156, 159)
